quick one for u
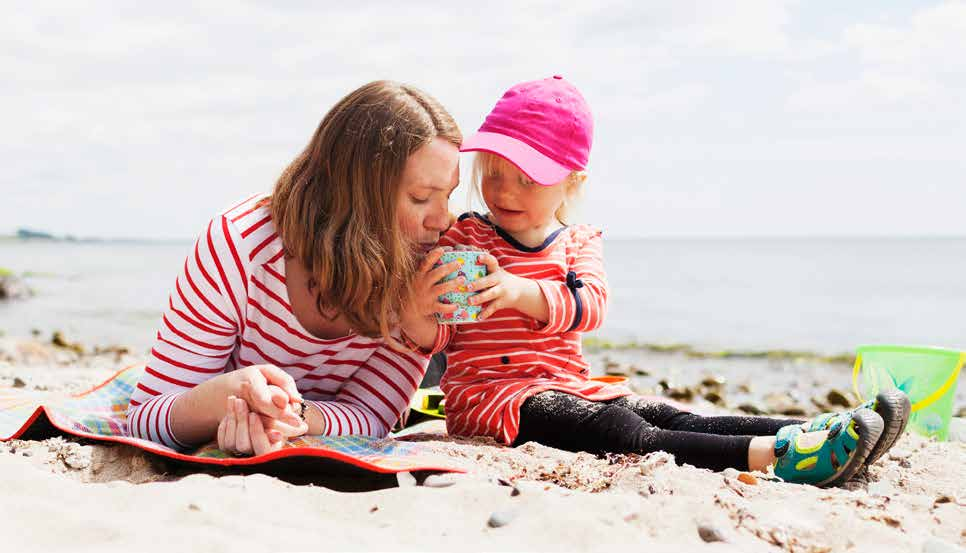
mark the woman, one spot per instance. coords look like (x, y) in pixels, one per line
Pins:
(296, 295)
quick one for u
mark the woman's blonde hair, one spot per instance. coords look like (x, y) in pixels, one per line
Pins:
(335, 205)
(486, 162)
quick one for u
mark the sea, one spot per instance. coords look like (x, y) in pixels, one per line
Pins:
(826, 295)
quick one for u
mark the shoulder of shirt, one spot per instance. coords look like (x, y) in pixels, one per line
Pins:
(581, 233)
(252, 230)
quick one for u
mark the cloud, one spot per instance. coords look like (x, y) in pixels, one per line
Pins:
(143, 120)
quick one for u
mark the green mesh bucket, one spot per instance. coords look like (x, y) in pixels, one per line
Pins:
(927, 375)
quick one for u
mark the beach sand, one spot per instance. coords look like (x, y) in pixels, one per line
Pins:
(65, 494)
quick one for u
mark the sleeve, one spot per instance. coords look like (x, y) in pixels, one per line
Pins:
(197, 333)
(375, 396)
(580, 303)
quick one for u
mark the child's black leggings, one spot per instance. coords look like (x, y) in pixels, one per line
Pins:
(635, 425)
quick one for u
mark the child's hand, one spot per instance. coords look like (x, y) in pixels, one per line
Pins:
(425, 292)
(499, 289)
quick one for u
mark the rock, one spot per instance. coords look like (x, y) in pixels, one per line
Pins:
(441, 480)
(193, 507)
(961, 412)
(12, 288)
(714, 397)
(58, 340)
(18, 382)
(640, 371)
(713, 381)
(405, 479)
(751, 409)
(744, 388)
(710, 533)
(682, 393)
(748, 478)
(616, 369)
(934, 545)
(501, 518)
(837, 398)
(783, 403)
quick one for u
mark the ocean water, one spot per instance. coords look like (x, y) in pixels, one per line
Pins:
(827, 295)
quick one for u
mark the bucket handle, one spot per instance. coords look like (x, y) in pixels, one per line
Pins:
(923, 403)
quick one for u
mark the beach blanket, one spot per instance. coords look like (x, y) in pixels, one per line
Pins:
(100, 414)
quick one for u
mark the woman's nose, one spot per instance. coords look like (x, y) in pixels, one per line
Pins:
(438, 218)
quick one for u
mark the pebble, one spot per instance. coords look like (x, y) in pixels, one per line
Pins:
(713, 381)
(640, 371)
(710, 533)
(748, 479)
(751, 409)
(441, 480)
(405, 479)
(18, 382)
(501, 518)
(714, 397)
(837, 398)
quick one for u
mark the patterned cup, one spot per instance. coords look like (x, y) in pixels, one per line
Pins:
(471, 269)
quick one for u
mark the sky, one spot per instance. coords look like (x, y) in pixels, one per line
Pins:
(741, 118)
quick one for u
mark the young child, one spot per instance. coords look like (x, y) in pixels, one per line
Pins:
(518, 374)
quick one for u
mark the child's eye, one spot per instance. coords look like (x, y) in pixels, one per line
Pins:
(419, 200)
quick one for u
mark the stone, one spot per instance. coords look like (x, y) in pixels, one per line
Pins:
(713, 381)
(682, 393)
(501, 518)
(441, 480)
(783, 403)
(616, 369)
(13, 288)
(18, 382)
(837, 398)
(640, 371)
(751, 409)
(714, 397)
(710, 533)
(748, 478)
(405, 479)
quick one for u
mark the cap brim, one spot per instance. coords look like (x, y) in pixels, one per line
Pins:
(538, 167)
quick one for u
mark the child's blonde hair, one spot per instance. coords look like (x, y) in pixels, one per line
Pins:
(486, 162)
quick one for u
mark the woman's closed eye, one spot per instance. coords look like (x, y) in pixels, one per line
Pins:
(417, 200)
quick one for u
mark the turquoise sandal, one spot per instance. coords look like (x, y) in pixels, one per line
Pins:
(827, 457)
(892, 405)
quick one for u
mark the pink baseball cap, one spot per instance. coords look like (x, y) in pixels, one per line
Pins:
(543, 127)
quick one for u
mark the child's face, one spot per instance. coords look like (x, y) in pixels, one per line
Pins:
(516, 203)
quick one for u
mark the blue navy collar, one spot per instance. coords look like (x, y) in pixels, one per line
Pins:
(510, 239)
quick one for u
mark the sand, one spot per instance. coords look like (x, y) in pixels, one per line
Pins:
(62, 494)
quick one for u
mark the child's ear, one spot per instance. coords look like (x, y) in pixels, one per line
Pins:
(574, 184)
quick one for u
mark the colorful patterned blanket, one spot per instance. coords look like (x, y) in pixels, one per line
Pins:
(100, 414)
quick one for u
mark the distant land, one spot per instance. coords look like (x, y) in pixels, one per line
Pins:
(30, 235)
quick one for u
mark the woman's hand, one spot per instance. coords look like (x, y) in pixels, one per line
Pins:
(269, 391)
(241, 432)
(501, 289)
(417, 320)
(289, 428)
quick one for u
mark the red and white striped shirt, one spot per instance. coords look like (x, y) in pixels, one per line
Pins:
(229, 309)
(496, 364)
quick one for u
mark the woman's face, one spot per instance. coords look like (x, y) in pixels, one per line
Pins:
(431, 174)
